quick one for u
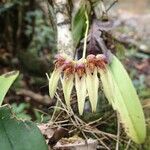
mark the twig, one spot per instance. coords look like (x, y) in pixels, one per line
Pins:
(53, 115)
(118, 133)
(101, 141)
(128, 144)
(77, 125)
(101, 132)
(113, 3)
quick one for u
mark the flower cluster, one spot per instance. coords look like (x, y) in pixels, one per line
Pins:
(82, 73)
(117, 87)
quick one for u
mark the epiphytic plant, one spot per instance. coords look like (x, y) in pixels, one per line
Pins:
(99, 65)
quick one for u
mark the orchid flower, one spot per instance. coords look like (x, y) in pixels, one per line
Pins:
(84, 71)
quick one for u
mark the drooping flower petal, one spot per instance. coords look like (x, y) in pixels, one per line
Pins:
(80, 85)
(67, 84)
(92, 83)
(53, 81)
(108, 85)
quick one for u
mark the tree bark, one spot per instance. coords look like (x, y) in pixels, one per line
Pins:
(63, 21)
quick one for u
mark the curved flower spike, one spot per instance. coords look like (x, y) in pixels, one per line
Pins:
(80, 85)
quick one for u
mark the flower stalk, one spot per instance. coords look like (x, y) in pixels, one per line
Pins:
(86, 35)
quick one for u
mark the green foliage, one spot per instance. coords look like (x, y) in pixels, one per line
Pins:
(8, 5)
(41, 116)
(120, 50)
(143, 90)
(20, 110)
(146, 145)
(5, 7)
(42, 34)
(24, 26)
(139, 78)
(78, 25)
(6, 81)
(17, 134)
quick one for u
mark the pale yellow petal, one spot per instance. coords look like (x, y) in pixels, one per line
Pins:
(108, 85)
(80, 85)
(92, 83)
(53, 81)
(67, 84)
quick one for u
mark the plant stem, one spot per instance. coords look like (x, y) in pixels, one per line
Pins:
(118, 133)
(86, 35)
(113, 3)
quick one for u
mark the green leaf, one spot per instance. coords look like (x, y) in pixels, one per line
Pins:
(78, 25)
(17, 134)
(6, 81)
(79, 22)
(127, 102)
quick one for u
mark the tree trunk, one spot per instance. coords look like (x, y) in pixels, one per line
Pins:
(63, 22)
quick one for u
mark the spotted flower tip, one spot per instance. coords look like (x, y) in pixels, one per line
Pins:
(92, 81)
(67, 81)
(80, 84)
(53, 81)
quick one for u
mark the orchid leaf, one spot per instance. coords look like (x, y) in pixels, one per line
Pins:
(18, 134)
(78, 25)
(127, 102)
(79, 22)
(6, 81)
